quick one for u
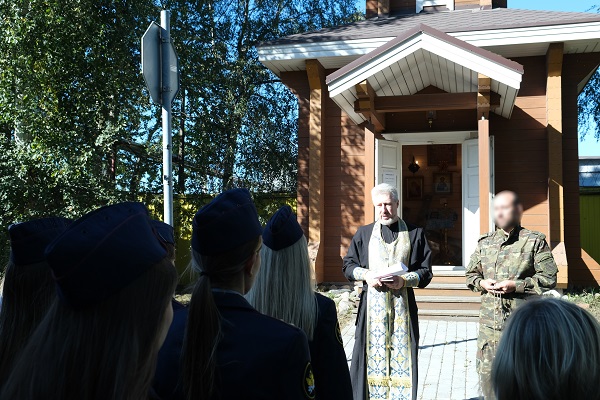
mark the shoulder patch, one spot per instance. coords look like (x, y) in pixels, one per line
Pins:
(309, 382)
(338, 332)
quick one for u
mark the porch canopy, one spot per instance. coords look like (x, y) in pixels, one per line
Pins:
(389, 78)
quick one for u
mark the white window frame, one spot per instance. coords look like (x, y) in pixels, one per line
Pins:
(432, 3)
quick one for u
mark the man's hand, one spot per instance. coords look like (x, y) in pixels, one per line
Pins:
(504, 287)
(488, 284)
(373, 282)
(396, 283)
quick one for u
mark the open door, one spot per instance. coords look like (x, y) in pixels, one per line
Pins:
(388, 164)
(470, 173)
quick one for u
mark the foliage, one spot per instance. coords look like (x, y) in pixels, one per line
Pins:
(589, 297)
(77, 129)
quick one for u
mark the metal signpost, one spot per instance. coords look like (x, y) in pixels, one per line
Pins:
(160, 68)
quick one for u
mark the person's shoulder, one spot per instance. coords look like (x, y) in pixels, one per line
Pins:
(365, 228)
(534, 235)
(324, 302)
(485, 236)
(276, 326)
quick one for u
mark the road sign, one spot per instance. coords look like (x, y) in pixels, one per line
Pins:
(160, 68)
(155, 43)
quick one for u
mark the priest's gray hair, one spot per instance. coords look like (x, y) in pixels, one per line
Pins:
(550, 349)
(385, 189)
(284, 287)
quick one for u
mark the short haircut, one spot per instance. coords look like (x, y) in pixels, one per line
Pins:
(516, 198)
(550, 349)
(385, 189)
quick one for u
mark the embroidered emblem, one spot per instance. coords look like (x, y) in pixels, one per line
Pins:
(338, 332)
(309, 382)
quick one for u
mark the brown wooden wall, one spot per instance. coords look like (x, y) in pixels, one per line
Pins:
(583, 270)
(521, 146)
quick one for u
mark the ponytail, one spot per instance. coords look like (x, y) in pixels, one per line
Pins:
(202, 335)
(203, 332)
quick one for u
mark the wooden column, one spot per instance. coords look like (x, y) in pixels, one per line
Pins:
(556, 214)
(369, 172)
(483, 126)
(316, 163)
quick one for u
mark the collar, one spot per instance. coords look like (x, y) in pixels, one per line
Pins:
(230, 299)
(513, 232)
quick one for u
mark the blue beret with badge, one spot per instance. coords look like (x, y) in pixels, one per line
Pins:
(282, 230)
(28, 240)
(102, 252)
(229, 221)
(164, 232)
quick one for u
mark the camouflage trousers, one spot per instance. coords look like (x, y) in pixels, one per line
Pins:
(487, 342)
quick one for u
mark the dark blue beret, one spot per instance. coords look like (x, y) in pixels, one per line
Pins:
(164, 232)
(282, 230)
(28, 240)
(102, 252)
(227, 222)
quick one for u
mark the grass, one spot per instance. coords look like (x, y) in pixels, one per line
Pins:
(588, 299)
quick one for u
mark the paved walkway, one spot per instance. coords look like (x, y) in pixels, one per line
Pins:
(446, 358)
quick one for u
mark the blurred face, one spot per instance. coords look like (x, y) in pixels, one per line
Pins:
(386, 208)
(507, 214)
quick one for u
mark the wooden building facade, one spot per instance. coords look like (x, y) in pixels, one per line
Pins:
(482, 97)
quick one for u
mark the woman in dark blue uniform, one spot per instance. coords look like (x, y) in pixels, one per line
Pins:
(100, 337)
(284, 289)
(28, 288)
(231, 351)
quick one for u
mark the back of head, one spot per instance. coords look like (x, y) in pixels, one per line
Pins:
(100, 337)
(226, 235)
(284, 287)
(28, 288)
(550, 350)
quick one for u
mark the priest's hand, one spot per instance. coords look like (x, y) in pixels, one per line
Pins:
(396, 283)
(373, 282)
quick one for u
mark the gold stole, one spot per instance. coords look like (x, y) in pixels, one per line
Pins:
(388, 340)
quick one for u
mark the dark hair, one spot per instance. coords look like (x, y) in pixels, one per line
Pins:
(104, 351)
(27, 293)
(549, 350)
(516, 198)
(203, 331)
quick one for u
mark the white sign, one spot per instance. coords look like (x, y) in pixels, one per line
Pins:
(391, 178)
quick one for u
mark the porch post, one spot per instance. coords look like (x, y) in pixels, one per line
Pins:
(369, 172)
(483, 127)
(556, 215)
(316, 81)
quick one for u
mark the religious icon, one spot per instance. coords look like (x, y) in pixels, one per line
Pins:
(442, 182)
(413, 187)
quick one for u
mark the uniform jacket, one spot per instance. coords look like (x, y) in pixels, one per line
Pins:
(327, 354)
(522, 256)
(258, 357)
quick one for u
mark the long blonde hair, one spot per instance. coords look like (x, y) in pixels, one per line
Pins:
(284, 287)
(549, 350)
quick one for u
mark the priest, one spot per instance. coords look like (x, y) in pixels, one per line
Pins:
(384, 360)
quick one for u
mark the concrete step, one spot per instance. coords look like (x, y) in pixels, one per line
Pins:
(448, 299)
(449, 273)
(436, 291)
(449, 313)
(447, 286)
(448, 279)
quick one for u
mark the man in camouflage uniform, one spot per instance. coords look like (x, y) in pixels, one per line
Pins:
(507, 267)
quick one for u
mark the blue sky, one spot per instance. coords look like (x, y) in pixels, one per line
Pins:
(590, 146)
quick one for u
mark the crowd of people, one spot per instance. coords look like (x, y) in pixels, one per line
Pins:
(88, 311)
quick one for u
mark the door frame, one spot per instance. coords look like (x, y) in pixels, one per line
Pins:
(427, 138)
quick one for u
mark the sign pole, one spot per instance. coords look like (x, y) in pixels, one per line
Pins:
(165, 16)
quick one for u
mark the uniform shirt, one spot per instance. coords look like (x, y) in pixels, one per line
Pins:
(332, 377)
(522, 256)
(258, 357)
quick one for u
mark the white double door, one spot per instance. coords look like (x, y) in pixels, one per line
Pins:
(388, 167)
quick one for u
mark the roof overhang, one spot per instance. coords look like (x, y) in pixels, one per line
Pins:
(508, 42)
(423, 57)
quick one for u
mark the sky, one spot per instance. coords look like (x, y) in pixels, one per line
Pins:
(590, 146)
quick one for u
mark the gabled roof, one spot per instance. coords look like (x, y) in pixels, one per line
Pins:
(508, 32)
(446, 21)
(420, 57)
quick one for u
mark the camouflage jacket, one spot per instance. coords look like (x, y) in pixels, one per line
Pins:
(522, 256)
